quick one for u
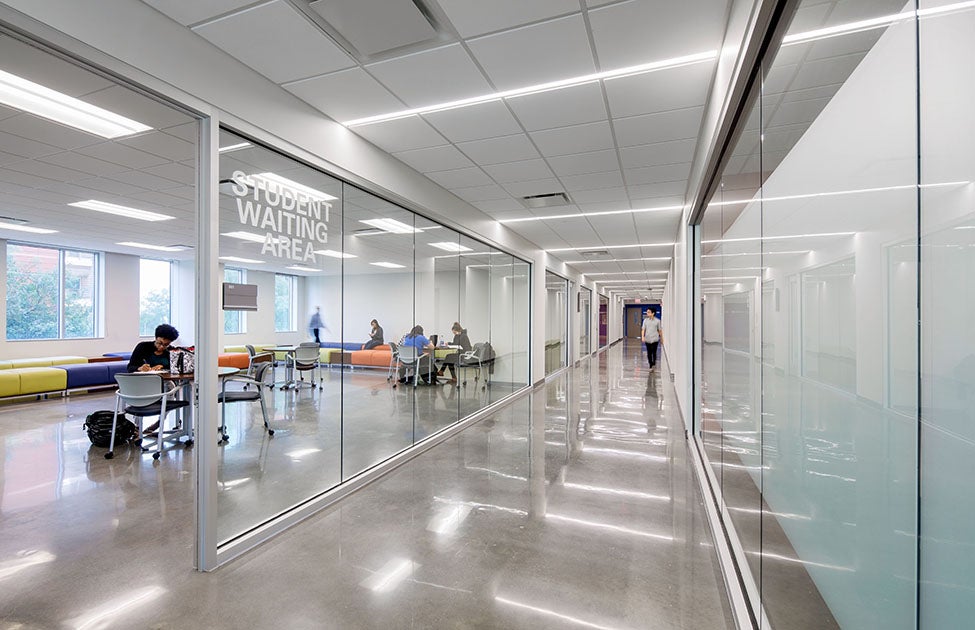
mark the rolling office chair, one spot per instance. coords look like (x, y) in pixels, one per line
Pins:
(475, 358)
(307, 358)
(393, 360)
(144, 396)
(408, 360)
(246, 395)
(256, 359)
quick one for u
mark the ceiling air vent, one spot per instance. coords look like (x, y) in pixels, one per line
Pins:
(545, 201)
(595, 254)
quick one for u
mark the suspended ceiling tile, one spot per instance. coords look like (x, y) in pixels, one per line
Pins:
(25, 179)
(658, 174)
(83, 163)
(41, 67)
(175, 172)
(560, 108)
(122, 155)
(659, 202)
(163, 145)
(187, 13)
(126, 102)
(161, 200)
(582, 163)
(498, 150)
(48, 171)
(538, 187)
(433, 76)
(558, 49)
(277, 42)
(346, 95)
(616, 196)
(25, 148)
(822, 72)
(47, 132)
(485, 120)
(593, 180)
(650, 191)
(110, 187)
(663, 127)
(659, 153)
(522, 171)
(434, 159)
(402, 23)
(574, 139)
(143, 180)
(461, 178)
(495, 206)
(674, 88)
(476, 17)
(399, 135)
(489, 192)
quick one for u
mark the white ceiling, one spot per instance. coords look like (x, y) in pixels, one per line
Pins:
(624, 143)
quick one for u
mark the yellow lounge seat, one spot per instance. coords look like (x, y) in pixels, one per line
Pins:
(9, 383)
(38, 380)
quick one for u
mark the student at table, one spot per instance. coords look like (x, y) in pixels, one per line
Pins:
(463, 344)
(153, 356)
(424, 352)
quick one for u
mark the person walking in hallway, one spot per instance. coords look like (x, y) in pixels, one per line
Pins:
(652, 335)
(316, 323)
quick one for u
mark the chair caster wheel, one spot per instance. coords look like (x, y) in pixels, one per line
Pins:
(270, 432)
(109, 455)
(188, 443)
(155, 455)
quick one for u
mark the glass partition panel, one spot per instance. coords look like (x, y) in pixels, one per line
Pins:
(556, 322)
(521, 319)
(498, 375)
(476, 311)
(585, 321)
(275, 214)
(378, 284)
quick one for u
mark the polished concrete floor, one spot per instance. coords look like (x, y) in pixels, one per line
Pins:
(574, 506)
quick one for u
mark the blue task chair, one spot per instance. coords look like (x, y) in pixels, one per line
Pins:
(143, 395)
(307, 358)
(248, 395)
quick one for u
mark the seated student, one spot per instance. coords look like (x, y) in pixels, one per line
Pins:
(424, 361)
(153, 356)
(375, 336)
(463, 341)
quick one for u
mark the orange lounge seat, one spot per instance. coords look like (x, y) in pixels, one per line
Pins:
(234, 359)
(372, 358)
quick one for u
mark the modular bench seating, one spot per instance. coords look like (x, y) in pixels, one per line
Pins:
(331, 353)
(46, 375)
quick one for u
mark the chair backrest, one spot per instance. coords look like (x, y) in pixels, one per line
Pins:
(307, 354)
(133, 386)
(408, 354)
(262, 357)
(308, 344)
(260, 370)
(250, 350)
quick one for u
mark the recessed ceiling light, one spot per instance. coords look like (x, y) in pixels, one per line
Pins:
(450, 246)
(25, 228)
(300, 268)
(47, 103)
(248, 236)
(269, 180)
(388, 265)
(333, 253)
(242, 260)
(235, 147)
(575, 249)
(776, 238)
(122, 211)
(582, 215)
(158, 248)
(391, 225)
(608, 260)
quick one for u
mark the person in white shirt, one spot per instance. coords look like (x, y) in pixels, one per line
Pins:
(652, 335)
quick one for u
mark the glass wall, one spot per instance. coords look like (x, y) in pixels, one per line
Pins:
(838, 381)
(418, 327)
(556, 322)
(585, 321)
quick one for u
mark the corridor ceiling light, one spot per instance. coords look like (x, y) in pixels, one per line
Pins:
(552, 613)
(235, 147)
(730, 278)
(273, 180)
(777, 238)
(247, 236)
(158, 248)
(583, 215)
(47, 103)
(800, 251)
(300, 268)
(242, 260)
(619, 273)
(391, 225)
(388, 265)
(653, 66)
(575, 249)
(25, 228)
(835, 193)
(334, 254)
(450, 246)
(122, 211)
(609, 260)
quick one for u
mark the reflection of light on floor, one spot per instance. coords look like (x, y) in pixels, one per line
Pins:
(808, 563)
(616, 451)
(114, 607)
(298, 454)
(615, 528)
(617, 492)
(448, 519)
(488, 506)
(552, 613)
(497, 473)
(390, 576)
(233, 483)
(794, 517)
(25, 559)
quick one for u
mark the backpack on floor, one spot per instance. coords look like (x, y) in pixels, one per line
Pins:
(99, 427)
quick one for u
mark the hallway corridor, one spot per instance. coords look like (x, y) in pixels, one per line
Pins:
(574, 506)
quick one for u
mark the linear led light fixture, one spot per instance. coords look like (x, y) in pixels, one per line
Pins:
(835, 193)
(242, 260)
(122, 211)
(622, 273)
(644, 68)
(235, 147)
(609, 260)
(248, 236)
(799, 251)
(730, 278)
(273, 180)
(388, 265)
(391, 225)
(158, 248)
(300, 268)
(777, 238)
(582, 215)
(25, 228)
(333, 254)
(53, 105)
(450, 246)
(576, 249)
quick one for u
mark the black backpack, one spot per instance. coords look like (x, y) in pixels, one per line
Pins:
(99, 428)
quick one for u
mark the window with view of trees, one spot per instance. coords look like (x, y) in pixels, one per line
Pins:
(51, 293)
(155, 301)
(233, 321)
(284, 304)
